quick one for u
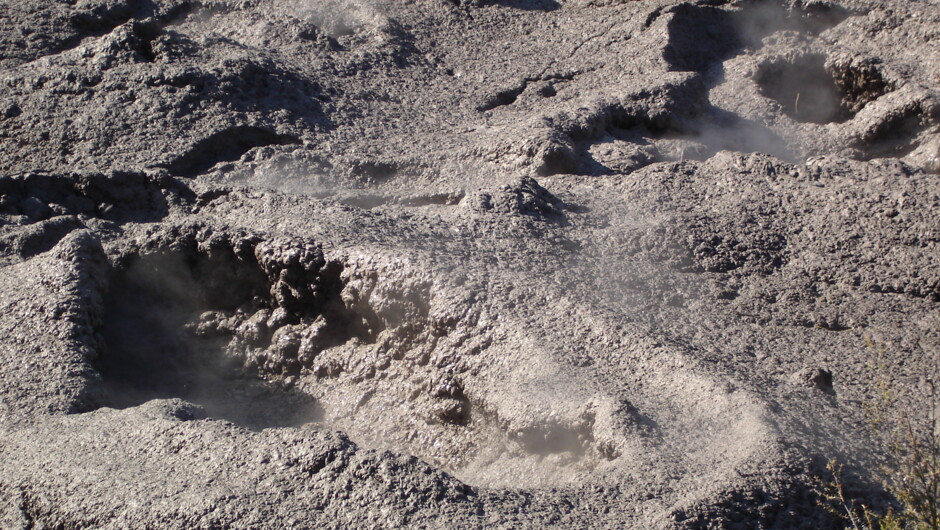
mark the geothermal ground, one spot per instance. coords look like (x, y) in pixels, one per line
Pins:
(460, 263)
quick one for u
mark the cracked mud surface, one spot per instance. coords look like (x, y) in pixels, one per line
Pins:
(458, 263)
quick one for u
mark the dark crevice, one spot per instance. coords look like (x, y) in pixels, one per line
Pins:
(525, 5)
(150, 354)
(118, 197)
(503, 98)
(103, 21)
(700, 36)
(510, 95)
(149, 30)
(178, 14)
(652, 17)
(146, 33)
(226, 146)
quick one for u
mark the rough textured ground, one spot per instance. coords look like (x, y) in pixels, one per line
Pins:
(458, 263)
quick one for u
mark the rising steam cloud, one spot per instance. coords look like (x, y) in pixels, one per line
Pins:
(337, 18)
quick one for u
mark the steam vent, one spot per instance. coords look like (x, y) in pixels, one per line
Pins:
(469, 263)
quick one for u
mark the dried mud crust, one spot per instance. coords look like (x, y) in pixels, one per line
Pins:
(172, 443)
(795, 75)
(761, 231)
(806, 78)
(39, 209)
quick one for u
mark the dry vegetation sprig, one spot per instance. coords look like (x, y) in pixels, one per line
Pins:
(911, 444)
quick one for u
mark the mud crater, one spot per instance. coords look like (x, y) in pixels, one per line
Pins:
(190, 320)
(270, 333)
(809, 90)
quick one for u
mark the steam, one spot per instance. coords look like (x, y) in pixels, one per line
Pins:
(759, 19)
(718, 130)
(338, 18)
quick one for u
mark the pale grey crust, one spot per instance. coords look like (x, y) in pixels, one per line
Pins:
(451, 263)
